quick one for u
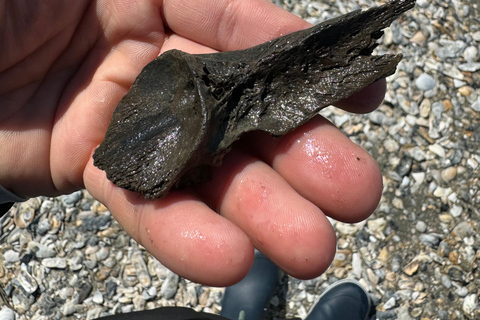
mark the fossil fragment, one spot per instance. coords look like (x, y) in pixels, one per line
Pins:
(184, 111)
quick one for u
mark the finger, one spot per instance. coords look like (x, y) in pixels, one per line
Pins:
(288, 229)
(365, 100)
(180, 231)
(230, 25)
(325, 167)
(178, 42)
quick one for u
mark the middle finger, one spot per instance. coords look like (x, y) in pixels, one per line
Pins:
(287, 228)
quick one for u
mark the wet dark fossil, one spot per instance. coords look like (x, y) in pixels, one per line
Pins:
(184, 111)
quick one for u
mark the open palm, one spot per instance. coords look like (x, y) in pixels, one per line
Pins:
(64, 66)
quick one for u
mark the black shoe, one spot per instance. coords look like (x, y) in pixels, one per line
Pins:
(251, 295)
(343, 300)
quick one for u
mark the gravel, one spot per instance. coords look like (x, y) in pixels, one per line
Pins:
(418, 254)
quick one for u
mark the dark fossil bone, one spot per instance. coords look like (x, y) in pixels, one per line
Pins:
(184, 111)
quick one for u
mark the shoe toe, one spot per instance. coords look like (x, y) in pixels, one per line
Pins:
(342, 301)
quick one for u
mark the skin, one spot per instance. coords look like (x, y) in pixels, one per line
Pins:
(64, 66)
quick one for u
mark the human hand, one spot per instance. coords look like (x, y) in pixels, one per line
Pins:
(65, 66)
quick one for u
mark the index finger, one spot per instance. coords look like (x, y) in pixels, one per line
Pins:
(228, 24)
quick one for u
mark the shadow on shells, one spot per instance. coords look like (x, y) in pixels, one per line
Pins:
(184, 111)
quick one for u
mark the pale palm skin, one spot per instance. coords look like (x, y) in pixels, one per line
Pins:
(64, 66)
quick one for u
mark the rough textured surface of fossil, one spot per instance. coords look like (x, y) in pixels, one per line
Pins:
(184, 111)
